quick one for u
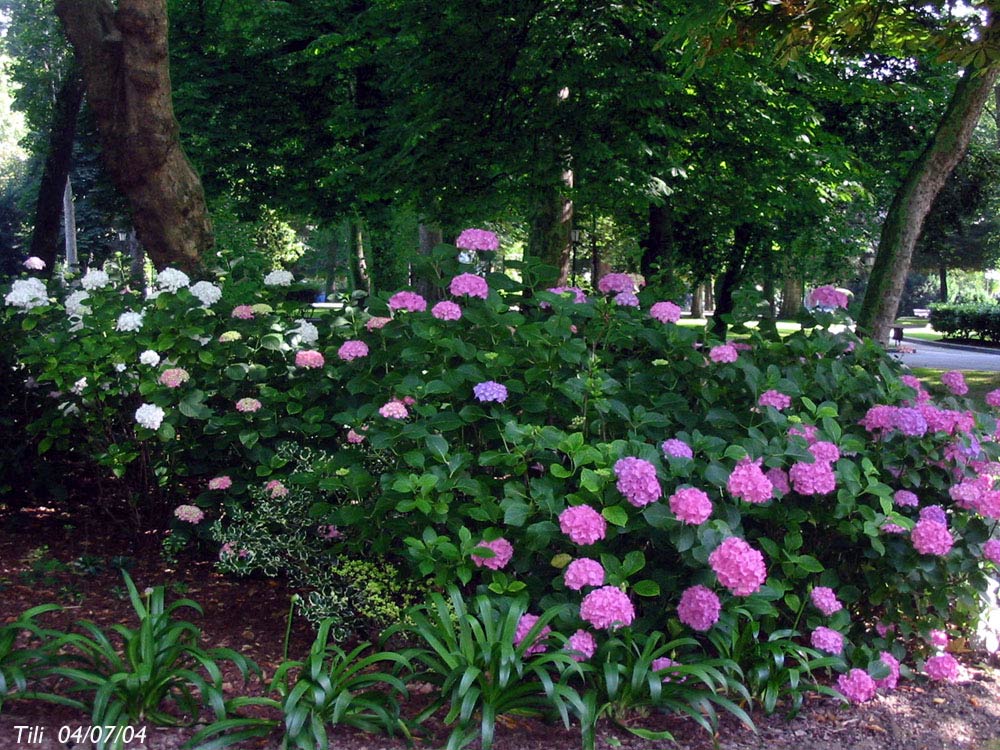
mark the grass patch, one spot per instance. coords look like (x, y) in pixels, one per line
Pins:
(980, 383)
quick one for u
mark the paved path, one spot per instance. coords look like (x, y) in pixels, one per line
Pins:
(950, 357)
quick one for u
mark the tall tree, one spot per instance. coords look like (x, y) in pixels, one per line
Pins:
(123, 55)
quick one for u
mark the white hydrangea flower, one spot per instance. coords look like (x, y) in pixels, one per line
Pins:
(152, 294)
(95, 279)
(149, 357)
(170, 279)
(129, 321)
(149, 416)
(120, 367)
(306, 333)
(27, 293)
(34, 263)
(79, 386)
(68, 409)
(206, 292)
(279, 278)
(74, 304)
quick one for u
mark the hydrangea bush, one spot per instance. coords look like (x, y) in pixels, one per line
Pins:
(567, 449)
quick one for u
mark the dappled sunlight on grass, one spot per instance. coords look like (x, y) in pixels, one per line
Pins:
(980, 383)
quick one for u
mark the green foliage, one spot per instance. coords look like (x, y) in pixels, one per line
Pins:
(968, 320)
(26, 656)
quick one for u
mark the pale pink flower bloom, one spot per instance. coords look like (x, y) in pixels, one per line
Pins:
(220, 483)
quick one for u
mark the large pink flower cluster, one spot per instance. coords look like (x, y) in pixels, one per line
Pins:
(394, 409)
(446, 310)
(890, 682)
(477, 239)
(779, 480)
(309, 359)
(699, 607)
(943, 668)
(581, 645)
(607, 607)
(910, 421)
(677, 449)
(375, 323)
(664, 663)
(825, 600)
(174, 377)
(691, 505)
(524, 625)
(665, 312)
(220, 483)
(827, 639)
(276, 489)
(626, 299)
(637, 481)
(579, 297)
(407, 301)
(583, 572)
(931, 537)
(243, 312)
(469, 285)
(502, 551)
(248, 405)
(747, 482)
(616, 282)
(189, 513)
(993, 398)
(777, 399)
(723, 354)
(826, 297)
(969, 493)
(857, 686)
(991, 551)
(905, 499)
(738, 566)
(825, 451)
(954, 380)
(353, 349)
(582, 524)
(816, 478)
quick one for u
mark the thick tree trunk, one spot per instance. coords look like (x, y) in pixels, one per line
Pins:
(943, 280)
(697, 301)
(791, 297)
(69, 227)
(123, 55)
(743, 237)
(708, 288)
(914, 198)
(549, 237)
(46, 237)
(429, 236)
(654, 244)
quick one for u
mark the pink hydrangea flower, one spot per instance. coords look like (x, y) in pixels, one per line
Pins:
(665, 312)
(724, 353)
(991, 551)
(909, 421)
(579, 298)
(309, 359)
(825, 451)
(446, 310)
(616, 282)
(524, 625)
(993, 398)
(691, 505)
(328, 531)
(825, 600)
(938, 638)
(582, 524)
(469, 285)
(490, 391)
(826, 639)
(738, 566)
(581, 645)
(637, 481)
(916, 385)
(699, 608)
(934, 513)
(275, 488)
(243, 312)
(174, 377)
(583, 572)
(955, 382)
(747, 482)
(477, 239)
(189, 513)
(774, 398)
(883, 629)
(931, 538)
(354, 437)
(905, 498)
(394, 409)
(34, 263)
(248, 405)
(502, 550)
(220, 483)
(857, 686)
(816, 478)
(807, 431)
(663, 663)
(607, 607)
(879, 417)
(890, 682)
(375, 323)
(351, 350)
(826, 297)
(626, 299)
(677, 449)
(893, 528)
(779, 480)
(942, 668)
(407, 301)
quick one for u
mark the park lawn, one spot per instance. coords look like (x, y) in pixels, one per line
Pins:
(980, 383)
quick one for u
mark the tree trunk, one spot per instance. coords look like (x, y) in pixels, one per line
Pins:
(46, 237)
(743, 237)
(137, 261)
(654, 244)
(429, 237)
(915, 196)
(69, 227)
(709, 292)
(549, 237)
(697, 301)
(791, 297)
(943, 280)
(123, 55)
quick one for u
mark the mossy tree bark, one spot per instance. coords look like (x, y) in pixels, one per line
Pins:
(122, 53)
(914, 198)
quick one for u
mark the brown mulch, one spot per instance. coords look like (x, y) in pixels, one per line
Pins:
(48, 554)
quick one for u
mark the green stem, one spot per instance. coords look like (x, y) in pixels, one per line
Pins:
(288, 627)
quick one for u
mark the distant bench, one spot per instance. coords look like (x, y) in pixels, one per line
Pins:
(921, 312)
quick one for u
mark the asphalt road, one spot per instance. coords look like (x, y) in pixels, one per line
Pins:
(950, 357)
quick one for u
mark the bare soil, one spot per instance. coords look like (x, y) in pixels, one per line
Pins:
(51, 554)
